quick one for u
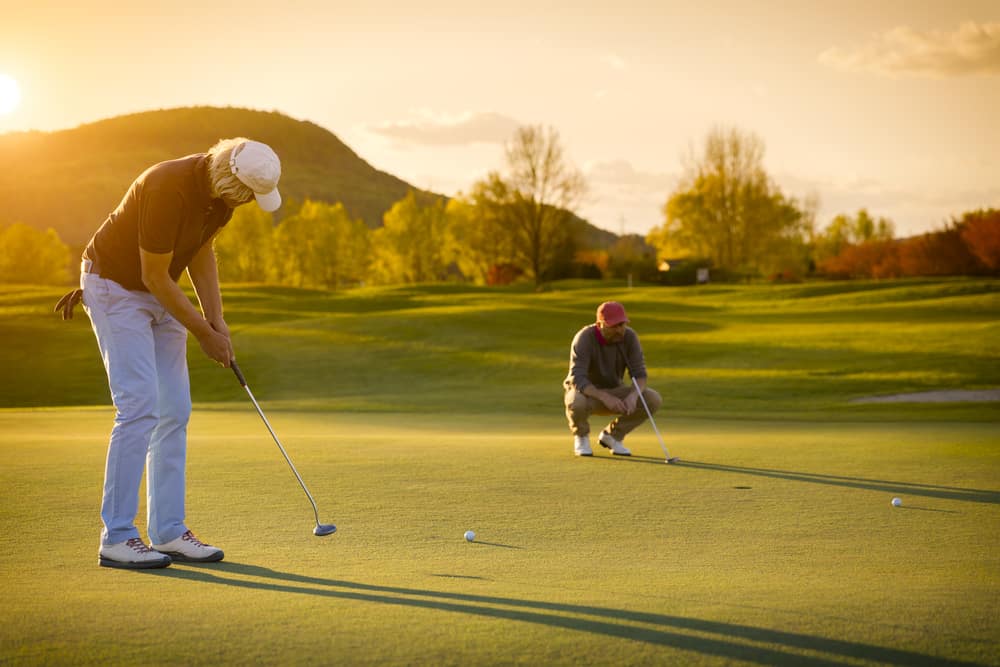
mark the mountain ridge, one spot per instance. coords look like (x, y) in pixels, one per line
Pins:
(69, 180)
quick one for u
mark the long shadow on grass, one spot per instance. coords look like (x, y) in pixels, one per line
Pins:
(603, 620)
(887, 486)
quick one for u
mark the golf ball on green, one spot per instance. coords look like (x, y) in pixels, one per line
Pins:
(896, 502)
(469, 536)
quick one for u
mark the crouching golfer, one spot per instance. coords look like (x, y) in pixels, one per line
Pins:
(141, 317)
(599, 357)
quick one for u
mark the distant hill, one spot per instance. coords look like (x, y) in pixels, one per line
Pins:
(71, 179)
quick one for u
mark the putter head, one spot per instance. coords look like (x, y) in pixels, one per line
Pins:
(322, 529)
(673, 459)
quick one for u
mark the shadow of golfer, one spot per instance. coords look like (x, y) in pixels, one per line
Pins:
(884, 485)
(635, 458)
(669, 631)
(496, 544)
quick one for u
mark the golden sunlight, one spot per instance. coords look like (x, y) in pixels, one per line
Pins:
(10, 93)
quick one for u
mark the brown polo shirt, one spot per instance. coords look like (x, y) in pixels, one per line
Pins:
(168, 208)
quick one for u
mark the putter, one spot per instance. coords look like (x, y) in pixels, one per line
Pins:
(642, 399)
(321, 529)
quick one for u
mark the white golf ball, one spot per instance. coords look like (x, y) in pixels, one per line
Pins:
(896, 502)
(469, 536)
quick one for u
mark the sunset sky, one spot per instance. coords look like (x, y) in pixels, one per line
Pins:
(892, 106)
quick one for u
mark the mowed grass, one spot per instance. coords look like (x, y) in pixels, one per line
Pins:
(772, 543)
(716, 351)
(417, 414)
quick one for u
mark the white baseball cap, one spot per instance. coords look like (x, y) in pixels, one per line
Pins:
(258, 168)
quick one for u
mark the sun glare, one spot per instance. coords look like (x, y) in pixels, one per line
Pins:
(10, 94)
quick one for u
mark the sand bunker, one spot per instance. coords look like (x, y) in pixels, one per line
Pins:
(950, 396)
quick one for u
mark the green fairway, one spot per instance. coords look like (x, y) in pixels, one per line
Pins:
(718, 351)
(771, 543)
(417, 414)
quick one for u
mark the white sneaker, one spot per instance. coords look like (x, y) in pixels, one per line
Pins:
(189, 549)
(615, 446)
(581, 445)
(131, 555)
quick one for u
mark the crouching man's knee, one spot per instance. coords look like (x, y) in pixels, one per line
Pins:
(653, 399)
(576, 401)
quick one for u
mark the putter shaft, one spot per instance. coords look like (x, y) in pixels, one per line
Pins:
(243, 383)
(649, 413)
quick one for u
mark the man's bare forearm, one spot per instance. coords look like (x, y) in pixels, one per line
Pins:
(177, 303)
(204, 273)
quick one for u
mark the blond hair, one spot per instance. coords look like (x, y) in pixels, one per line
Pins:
(220, 175)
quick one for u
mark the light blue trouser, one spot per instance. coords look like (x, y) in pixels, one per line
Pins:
(145, 354)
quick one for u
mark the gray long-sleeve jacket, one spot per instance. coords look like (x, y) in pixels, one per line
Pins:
(603, 366)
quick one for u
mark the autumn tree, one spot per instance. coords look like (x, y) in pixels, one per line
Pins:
(28, 255)
(938, 253)
(414, 244)
(875, 258)
(969, 245)
(534, 199)
(728, 210)
(320, 246)
(844, 230)
(632, 256)
(480, 229)
(980, 230)
(245, 247)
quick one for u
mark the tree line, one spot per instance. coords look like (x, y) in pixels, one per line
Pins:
(725, 214)
(728, 214)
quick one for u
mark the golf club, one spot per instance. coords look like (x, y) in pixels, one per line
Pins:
(663, 445)
(321, 529)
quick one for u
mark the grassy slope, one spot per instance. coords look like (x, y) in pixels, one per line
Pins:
(415, 414)
(720, 351)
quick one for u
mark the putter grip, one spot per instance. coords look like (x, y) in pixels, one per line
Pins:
(238, 372)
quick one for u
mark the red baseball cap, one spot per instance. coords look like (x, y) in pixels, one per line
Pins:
(611, 313)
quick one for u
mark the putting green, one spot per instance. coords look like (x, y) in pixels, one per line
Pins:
(773, 542)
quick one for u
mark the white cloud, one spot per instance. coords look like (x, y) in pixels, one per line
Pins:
(970, 49)
(482, 127)
(621, 198)
(614, 61)
(621, 174)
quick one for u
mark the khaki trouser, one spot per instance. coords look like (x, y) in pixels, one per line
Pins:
(579, 407)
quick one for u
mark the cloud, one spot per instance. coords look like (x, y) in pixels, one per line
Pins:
(621, 174)
(614, 61)
(622, 199)
(484, 127)
(970, 49)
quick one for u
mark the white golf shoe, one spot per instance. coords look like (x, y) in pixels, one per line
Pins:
(189, 549)
(131, 555)
(581, 445)
(615, 446)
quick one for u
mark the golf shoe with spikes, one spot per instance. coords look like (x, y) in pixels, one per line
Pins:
(581, 445)
(189, 549)
(616, 447)
(131, 554)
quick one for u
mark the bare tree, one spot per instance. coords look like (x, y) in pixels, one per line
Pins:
(538, 194)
